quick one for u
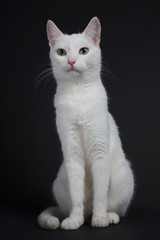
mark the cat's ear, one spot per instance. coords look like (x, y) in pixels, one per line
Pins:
(52, 33)
(93, 30)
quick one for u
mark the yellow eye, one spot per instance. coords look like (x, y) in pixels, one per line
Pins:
(61, 52)
(84, 51)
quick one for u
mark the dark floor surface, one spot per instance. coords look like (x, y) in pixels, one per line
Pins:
(19, 223)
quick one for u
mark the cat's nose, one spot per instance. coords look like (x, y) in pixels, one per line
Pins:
(71, 62)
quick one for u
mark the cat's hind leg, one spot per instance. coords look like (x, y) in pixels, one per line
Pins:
(121, 184)
(120, 192)
(50, 218)
(113, 218)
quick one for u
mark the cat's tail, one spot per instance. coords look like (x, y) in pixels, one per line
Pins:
(50, 218)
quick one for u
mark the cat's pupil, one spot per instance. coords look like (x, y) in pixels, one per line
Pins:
(61, 51)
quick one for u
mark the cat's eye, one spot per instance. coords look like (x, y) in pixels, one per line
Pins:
(61, 52)
(84, 51)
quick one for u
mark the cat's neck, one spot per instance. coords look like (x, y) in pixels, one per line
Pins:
(91, 79)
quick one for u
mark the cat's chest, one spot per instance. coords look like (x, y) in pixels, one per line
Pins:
(75, 103)
(75, 97)
(79, 103)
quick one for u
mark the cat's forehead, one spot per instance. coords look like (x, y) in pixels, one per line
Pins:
(73, 41)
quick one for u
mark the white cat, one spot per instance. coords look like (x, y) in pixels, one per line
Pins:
(95, 179)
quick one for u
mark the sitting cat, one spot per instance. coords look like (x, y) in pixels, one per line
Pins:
(95, 179)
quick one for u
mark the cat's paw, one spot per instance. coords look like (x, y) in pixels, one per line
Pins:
(71, 223)
(49, 222)
(113, 217)
(99, 221)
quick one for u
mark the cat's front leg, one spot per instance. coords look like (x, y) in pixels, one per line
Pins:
(99, 157)
(74, 164)
(100, 174)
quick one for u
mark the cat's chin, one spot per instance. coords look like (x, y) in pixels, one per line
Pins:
(74, 73)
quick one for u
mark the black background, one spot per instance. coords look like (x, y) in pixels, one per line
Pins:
(31, 152)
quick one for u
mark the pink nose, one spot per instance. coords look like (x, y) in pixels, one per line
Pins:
(71, 62)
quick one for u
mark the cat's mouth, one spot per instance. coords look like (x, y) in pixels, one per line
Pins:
(73, 70)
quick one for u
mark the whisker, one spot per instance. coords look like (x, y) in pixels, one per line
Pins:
(106, 70)
(46, 74)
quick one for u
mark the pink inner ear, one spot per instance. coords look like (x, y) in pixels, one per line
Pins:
(52, 32)
(96, 40)
(49, 33)
(93, 30)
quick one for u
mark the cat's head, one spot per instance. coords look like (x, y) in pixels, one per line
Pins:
(75, 56)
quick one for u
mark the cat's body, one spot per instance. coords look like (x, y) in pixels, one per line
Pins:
(95, 179)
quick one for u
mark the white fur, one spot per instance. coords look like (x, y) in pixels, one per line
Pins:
(95, 179)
